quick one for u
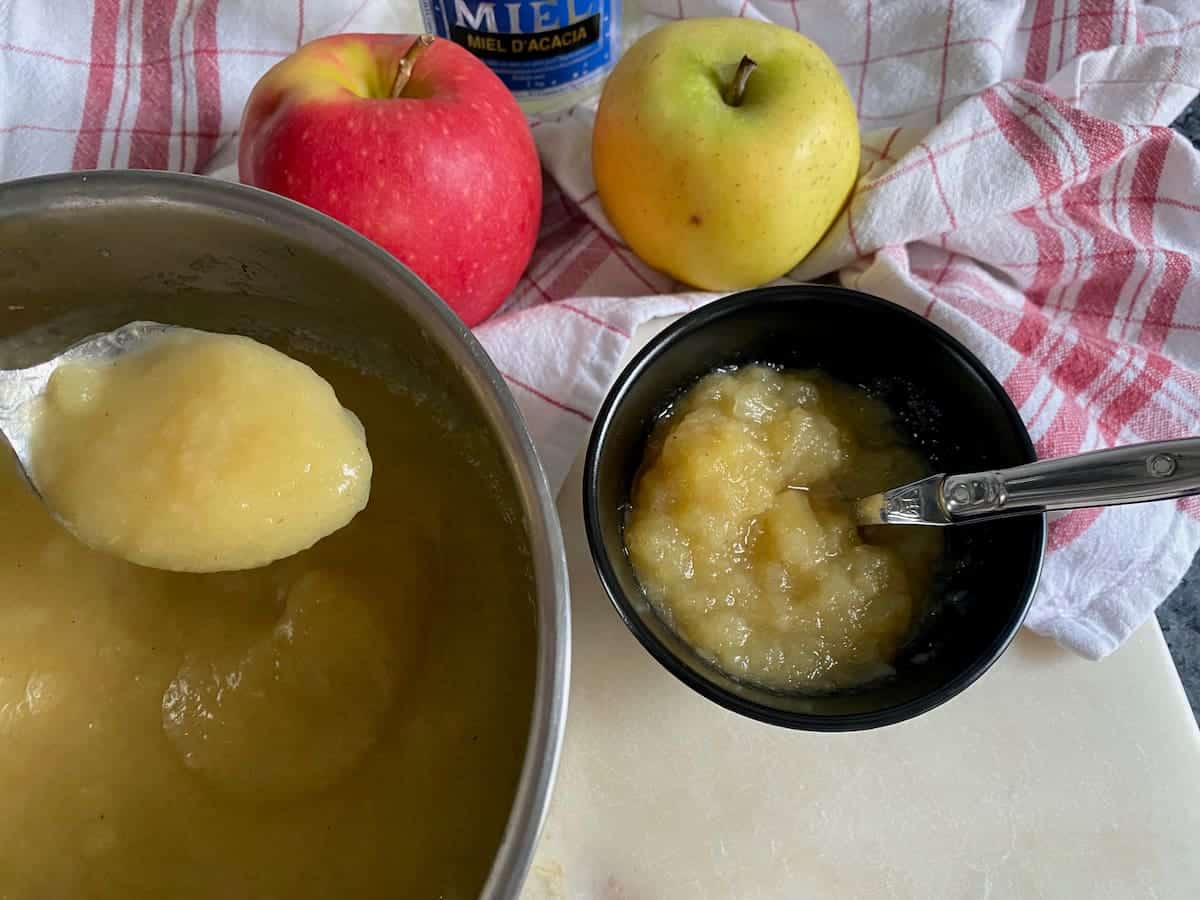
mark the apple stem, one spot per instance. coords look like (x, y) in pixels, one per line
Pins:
(736, 88)
(405, 69)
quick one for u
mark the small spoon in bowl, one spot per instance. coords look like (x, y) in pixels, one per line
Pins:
(21, 389)
(1137, 473)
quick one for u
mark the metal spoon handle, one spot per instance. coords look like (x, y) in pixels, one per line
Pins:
(1161, 470)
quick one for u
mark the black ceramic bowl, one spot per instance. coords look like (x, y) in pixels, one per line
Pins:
(950, 405)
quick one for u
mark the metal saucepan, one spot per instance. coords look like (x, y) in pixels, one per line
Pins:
(86, 252)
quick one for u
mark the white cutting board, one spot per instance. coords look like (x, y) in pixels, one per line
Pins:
(1051, 777)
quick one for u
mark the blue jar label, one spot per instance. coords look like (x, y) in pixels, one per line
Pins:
(535, 46)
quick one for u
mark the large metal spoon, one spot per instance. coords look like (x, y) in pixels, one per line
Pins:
(1137, 473)
(21, 389)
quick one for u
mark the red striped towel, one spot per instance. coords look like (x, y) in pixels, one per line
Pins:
(1019, 186)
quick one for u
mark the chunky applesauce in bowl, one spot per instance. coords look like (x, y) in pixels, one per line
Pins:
(718, 492)
(741, 528)
(375, 714)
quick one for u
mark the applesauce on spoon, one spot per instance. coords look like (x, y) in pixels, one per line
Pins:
(198, 452)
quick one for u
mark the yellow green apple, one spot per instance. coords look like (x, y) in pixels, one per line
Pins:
(724, 149)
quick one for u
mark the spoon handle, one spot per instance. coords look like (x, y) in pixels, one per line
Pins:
(1161, 470)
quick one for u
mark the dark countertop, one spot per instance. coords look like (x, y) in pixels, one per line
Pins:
(1179, 616)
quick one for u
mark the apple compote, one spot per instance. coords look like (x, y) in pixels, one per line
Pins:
(347, 722)
(199, 452)
(742, 533)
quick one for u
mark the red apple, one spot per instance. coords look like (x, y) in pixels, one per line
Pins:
(411, 141)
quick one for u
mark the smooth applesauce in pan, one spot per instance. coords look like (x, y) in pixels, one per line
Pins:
(742, 534)
(346, 722)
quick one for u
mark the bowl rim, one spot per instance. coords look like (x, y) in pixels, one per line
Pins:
(326, 236)
(705, 317)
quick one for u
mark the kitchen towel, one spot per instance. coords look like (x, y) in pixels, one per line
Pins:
(1019, 186)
